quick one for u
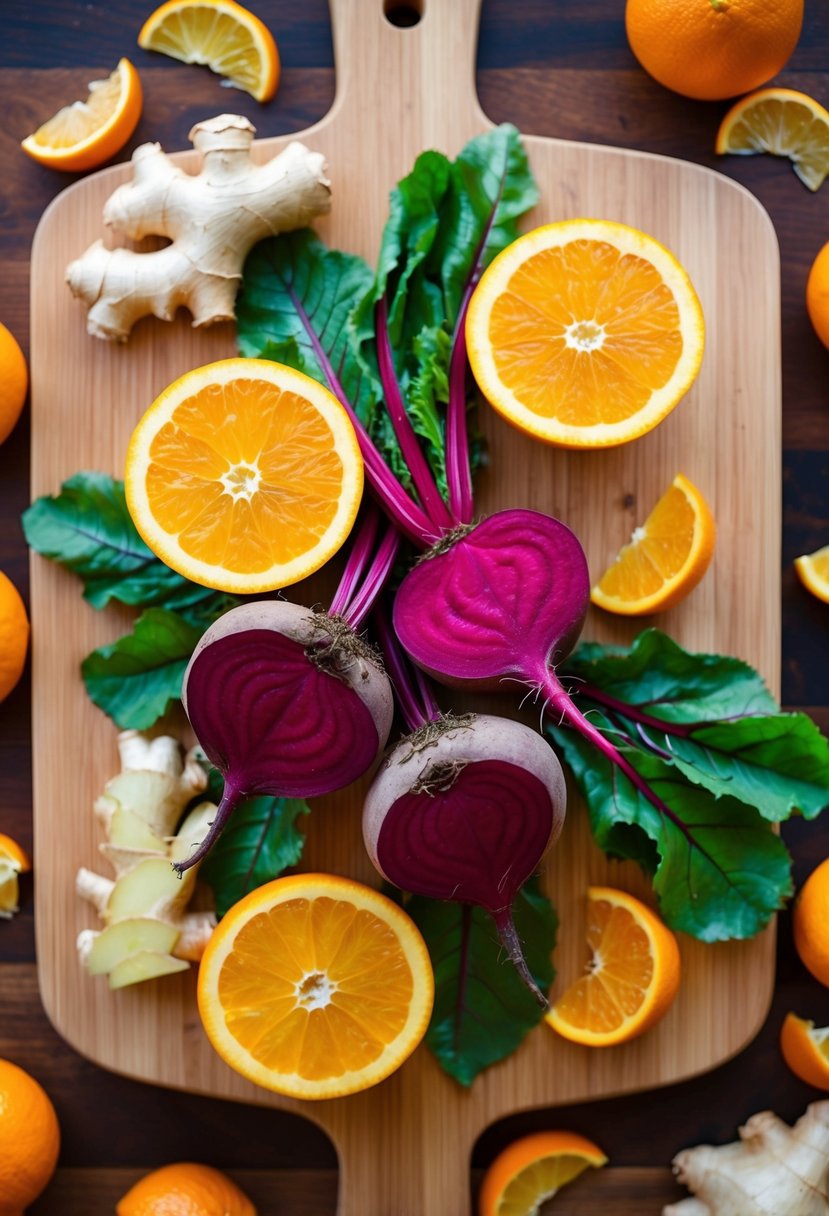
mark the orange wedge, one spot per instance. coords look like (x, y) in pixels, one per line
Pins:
(532, 1170)
(632, 976)
(244, 475)
(666, 558)
(585, 333)
(13, 861)
(87, 133)
(220, 34)
(813, 572)
(315, 986)
(784, 123)
(805, 1049)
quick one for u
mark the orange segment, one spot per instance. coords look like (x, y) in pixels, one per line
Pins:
(783, 122)
(87, 133)
(532, 1170)
(220, 34)
(805, 1049)
(244, 475)
(632, 976)
(13, 861)
(813, 572)
(315, 986)
(666, 558)
(585, 333)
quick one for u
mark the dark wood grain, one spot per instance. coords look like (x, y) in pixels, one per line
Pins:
(553, 68)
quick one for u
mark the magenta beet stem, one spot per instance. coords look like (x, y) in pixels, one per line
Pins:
(416, 462)
(375, 580)
(231, 798)
(415, 714)
(356, 564)
(458, 468)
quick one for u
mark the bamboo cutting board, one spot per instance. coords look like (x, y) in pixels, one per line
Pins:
(404, 1146)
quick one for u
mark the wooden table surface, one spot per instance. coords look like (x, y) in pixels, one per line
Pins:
(553, 67)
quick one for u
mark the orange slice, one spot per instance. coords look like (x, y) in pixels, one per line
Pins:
(785, 123)
(532, 1170)
(13, 861)
(87, 133)
(666, 558)
(315, 986)
(632, 976)
(805, 1049)
(244, 475)
(220, 34)
(813, 572)
(585, 333)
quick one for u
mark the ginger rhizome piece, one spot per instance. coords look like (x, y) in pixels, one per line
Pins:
(213, 218)
(772, 1170)
(149, 931)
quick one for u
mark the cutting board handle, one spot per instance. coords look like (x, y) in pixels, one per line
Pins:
(385, 69)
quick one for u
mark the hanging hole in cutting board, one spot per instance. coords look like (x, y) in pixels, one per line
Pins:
(403, 15)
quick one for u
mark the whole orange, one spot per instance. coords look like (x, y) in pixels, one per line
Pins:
(810, 922)
(14, 635)
(185, 1189)
(29, 1139)
(711, 49)
(14, 382)
(817, 295)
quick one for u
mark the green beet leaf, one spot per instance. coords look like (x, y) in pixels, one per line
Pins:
(712, 718)
(718, 869)
(261, 840)
(87, 529)
(136, 679)
(483, 1010)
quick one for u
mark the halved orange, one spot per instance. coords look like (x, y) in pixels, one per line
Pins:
(805, 1049)
(666, 558)
(220, 34)
(783, 122)
(244, 475)
(86, 133)
(532, 1170)
(813, 572)
(13, 861)
(315, 986)
(632, 975)
(585, 333)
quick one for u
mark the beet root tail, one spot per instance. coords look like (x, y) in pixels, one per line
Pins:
(512, 944)
(228, 804)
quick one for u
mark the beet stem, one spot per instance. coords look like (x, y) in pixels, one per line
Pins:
(512, 944)
(231, 798)
(458, 467)
(356, 564)
(375, 580)
(416, 462)
(683, 730)
(407, 699)
(400, 507)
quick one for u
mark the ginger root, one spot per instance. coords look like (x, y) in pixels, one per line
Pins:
(772, 1170)
(149, 931)
(213, 219)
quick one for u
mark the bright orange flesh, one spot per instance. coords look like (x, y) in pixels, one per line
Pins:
(666, 558)
(585, 333)
(783, 122)
(185, 1189)
(315, 986)
(220, 34)
(532, 1170)
(87, 133)
(244, 475)
(813, 572)
(632, 976)
(805, 1049)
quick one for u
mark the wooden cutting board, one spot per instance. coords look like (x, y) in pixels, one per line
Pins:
(404, 1146)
